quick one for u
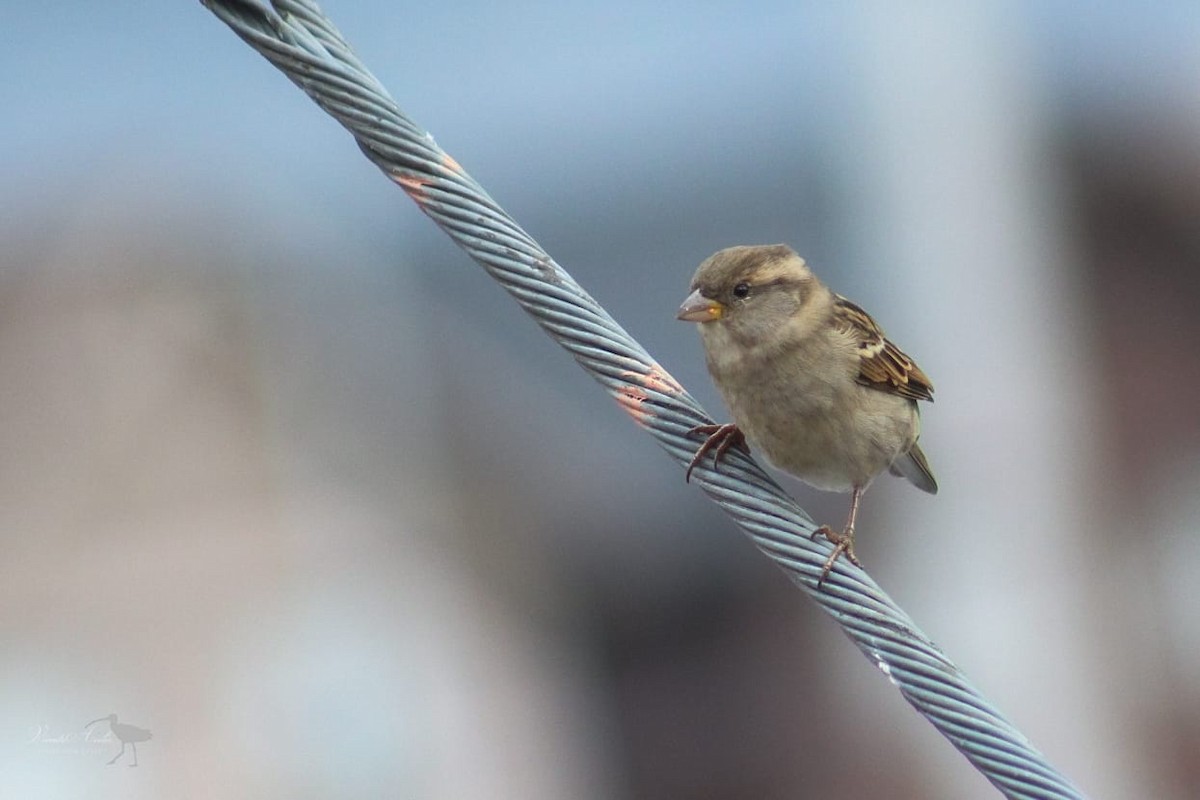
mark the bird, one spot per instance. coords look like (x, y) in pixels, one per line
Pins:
(809, 377)
(125, 733)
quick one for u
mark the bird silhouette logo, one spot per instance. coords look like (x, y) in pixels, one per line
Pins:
(126, 734)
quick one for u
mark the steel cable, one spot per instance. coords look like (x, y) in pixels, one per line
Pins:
(302, 42)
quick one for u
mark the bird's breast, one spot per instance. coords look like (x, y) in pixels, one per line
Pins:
(806, 412)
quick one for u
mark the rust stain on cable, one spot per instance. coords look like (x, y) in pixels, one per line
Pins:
(660, 380)
(413, 185)
(632, 399)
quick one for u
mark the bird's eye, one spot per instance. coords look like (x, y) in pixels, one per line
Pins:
(741, 290)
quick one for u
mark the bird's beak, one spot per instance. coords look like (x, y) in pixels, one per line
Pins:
(93, 722)
(698, 308)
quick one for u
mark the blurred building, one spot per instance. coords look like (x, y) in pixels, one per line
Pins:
(290, 483)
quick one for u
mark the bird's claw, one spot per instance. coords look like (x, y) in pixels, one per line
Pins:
(842, 543)
(721, 437)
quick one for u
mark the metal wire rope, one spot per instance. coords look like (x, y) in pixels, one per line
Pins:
(302, 42)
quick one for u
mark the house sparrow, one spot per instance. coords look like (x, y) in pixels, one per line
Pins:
(810, 378)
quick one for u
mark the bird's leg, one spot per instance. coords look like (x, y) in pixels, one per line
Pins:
(842, 542)
(134, 746)
(722, 437)
(118, 755)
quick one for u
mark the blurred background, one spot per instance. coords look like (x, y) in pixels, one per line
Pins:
(288, 481)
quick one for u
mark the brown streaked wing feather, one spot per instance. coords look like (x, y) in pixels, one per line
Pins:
(881, 365)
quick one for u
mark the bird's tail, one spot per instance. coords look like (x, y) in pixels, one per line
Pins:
(912, 465)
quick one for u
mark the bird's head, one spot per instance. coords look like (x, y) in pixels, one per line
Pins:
(749, 293)
(111, 718)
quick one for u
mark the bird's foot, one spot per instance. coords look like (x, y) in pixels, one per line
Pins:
(721, 437)
(842, 543)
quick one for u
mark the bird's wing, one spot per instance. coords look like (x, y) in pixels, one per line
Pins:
(881, 365)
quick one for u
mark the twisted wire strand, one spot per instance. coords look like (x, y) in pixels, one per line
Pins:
(302, 42)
